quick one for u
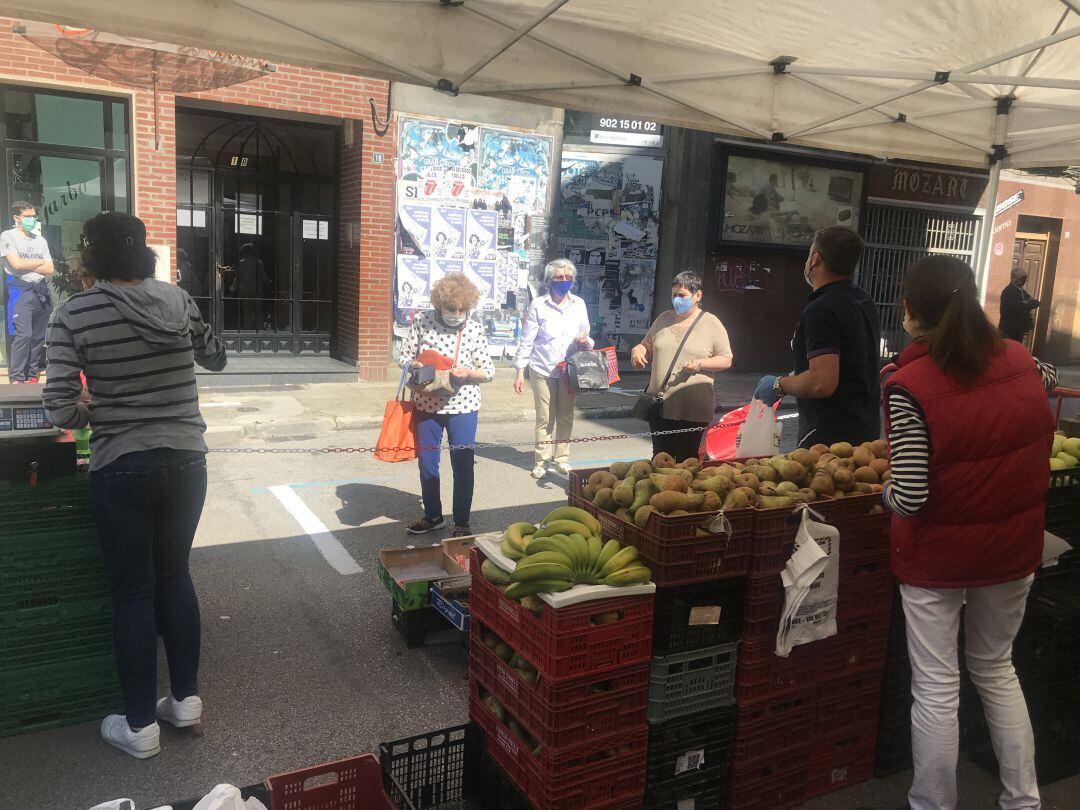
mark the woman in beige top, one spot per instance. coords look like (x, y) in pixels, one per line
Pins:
(688, 400)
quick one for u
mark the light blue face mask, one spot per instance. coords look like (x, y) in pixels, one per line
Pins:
(29, 224)
(682, 305)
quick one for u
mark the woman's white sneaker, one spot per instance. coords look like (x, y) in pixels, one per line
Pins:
(539, 471)
(141, 744)
(180, 713)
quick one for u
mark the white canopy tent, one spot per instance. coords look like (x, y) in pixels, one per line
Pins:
(978, 83)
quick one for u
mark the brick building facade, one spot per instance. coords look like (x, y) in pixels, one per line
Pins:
(364, 221)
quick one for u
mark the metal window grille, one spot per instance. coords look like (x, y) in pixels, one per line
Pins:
(895, 237)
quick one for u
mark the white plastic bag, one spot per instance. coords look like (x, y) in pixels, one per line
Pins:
(115, 804)
(227, 797)
(811, 578)
(760, 434)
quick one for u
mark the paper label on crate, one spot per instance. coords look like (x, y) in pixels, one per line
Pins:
(704, 614)
(508, 743)
(686, 804)
(690, 761)
(511, 609)
(506, 678)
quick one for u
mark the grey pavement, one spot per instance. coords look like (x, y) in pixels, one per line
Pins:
(301, 664)
(291, 412)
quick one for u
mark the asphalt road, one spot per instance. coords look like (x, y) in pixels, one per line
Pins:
(301, 664)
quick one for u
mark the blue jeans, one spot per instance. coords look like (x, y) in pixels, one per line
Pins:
(146, 508)
(460, 429)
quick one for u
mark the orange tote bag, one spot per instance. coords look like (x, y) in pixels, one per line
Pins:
(397, 439)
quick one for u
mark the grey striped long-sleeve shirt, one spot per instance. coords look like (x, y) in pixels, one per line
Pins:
(137, 346)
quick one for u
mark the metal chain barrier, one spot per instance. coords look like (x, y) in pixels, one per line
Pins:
(475, 445)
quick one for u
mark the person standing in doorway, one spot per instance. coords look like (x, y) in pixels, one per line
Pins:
(686, 347)
(556, 325)
(836, 349)
(251, 287)
(27, 265)
(969, 430)
(1017, 308)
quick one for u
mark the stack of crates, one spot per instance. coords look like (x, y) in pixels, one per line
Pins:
(806, 724)
(699, 569)
(561, 695)
(57, 666)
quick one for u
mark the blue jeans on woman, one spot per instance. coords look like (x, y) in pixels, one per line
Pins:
(146, 508)
(460, 429)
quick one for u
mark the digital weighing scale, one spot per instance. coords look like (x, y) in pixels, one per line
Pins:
(28, 443)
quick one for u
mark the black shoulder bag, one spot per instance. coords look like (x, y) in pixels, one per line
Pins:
(649, 406)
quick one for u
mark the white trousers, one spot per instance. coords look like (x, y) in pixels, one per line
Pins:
(991, 621)
(554, 400)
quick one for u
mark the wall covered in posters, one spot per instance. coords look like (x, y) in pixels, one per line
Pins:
(471, 200)
(609, 215)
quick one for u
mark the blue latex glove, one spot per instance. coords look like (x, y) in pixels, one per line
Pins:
(765, 392)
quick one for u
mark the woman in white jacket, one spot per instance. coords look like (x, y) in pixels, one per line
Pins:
(556, 325)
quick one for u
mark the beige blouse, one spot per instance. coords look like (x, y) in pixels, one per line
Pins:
(688, 397)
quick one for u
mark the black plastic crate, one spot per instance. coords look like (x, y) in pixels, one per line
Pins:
(417, 625)
(1063, 504)
(705, 791)
(446, 770)
(689, 617)
(684, 748)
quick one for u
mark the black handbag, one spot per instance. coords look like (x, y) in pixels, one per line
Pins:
(588, 371)
(650, 406)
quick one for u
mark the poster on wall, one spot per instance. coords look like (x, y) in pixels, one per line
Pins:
(781, 202)
(609, 220)
(471, 200)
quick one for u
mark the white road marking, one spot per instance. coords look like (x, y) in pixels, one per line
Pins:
(219, 404)
(379, 521)
(329, 546)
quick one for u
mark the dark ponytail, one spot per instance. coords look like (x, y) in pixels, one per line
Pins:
(941, 295)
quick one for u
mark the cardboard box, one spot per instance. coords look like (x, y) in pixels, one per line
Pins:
(453, 610)
(423, 564)
(457, 548)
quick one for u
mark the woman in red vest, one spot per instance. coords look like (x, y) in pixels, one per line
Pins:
(970, 432)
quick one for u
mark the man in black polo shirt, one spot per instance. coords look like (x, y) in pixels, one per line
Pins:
(836, 348)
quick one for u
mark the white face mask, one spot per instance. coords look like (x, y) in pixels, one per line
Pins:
(451, 320)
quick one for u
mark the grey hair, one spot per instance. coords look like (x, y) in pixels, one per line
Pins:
(559, 264)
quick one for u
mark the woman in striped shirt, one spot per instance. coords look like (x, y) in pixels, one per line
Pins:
(137, 340)
(970, 431)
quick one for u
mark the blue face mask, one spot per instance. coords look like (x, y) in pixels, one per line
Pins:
(562, 287)
(682, 305)
(29, 223)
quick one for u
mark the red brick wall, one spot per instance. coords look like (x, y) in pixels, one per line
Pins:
(365, 273)
(1061, 340)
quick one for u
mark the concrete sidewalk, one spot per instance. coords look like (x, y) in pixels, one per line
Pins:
(290, 412)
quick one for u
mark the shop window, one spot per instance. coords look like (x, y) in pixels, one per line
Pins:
(55, 119)
(120, 185)
(119, 125)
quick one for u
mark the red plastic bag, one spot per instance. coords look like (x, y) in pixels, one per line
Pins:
(718, 442)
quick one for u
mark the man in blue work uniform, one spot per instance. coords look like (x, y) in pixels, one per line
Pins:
(27, 264)
(837, 349)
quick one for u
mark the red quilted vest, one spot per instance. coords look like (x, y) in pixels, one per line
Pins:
(989, 445)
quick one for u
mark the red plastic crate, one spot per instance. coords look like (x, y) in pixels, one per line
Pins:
(776, 781)
(841, 760)
(358, 786)
(784, 723)
(563, 643)
(844, 703)
(579, 778)
(564, 713)
(859, 646)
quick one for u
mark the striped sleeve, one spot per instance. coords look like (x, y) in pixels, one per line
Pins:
(909, 448)
(62, 397)
(209, 351)
(1049, 374)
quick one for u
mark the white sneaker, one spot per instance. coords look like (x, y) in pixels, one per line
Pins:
(180, 713)
(564, 467)
(539, 471)
(141, 744)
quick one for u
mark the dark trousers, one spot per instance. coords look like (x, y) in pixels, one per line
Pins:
(681, 446)
(460, 429)
(29, 307)
(146, 508)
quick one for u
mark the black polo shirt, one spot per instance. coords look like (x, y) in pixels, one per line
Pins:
(841, 318)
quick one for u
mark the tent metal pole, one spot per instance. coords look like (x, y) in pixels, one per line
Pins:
(1053, 39)
(509, 42)
(1072, 4)
(1016, 81)
(585, 84)
(1056, 141)
(987, 233)
(403, 69)
(693, 105)
(863, 107)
